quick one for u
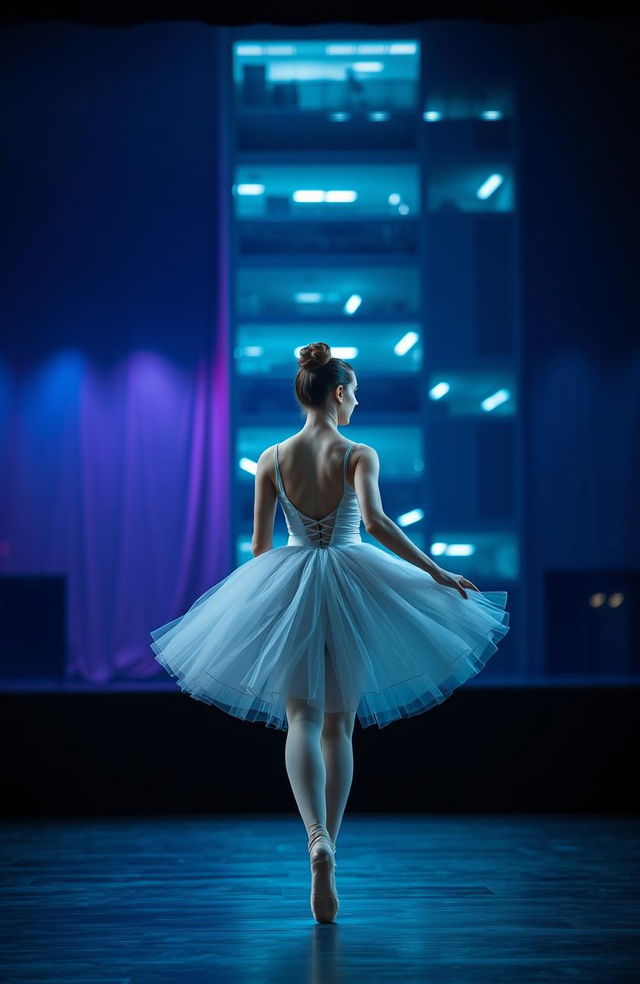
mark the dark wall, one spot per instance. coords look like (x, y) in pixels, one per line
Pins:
(532, 750)
(577, 214)
(109, 173)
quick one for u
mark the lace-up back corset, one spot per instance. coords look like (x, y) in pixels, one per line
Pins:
(340, 526)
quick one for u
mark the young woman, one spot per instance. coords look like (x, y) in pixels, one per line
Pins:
(309, 636)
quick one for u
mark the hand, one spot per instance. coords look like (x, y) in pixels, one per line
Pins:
(457, 581)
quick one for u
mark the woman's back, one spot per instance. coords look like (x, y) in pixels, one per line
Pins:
(311, 470)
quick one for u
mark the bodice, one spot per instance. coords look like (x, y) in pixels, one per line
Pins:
(341, 526)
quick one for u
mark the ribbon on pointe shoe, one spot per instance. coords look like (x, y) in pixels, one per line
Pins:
(318, 833)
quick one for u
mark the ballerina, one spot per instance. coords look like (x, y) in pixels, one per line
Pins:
(306, 637)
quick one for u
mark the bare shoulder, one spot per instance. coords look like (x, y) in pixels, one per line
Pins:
(364, 451)
(368, 457)
(266, 463)
(266, 457)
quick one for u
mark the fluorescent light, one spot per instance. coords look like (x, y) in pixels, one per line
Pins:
(403, 48)
(352, 304)
(344, 351)
(368, 67)
(337, 351)
(340, 49)
(250, 189)
(439, 390)
(308, 195)
(495, 399)
(340, 196)
(489, 186)
(406, 342)
(281, 49)
(453, 549)
(317, 195)
(413, 516)
(248, 465)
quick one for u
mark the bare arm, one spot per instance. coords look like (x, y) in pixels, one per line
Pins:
(375, 520)
(265, 501)
(378, 524)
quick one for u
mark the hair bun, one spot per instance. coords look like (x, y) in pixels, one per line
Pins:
(313, 356)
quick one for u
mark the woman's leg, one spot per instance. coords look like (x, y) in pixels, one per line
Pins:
(304, 760)
(337, 751)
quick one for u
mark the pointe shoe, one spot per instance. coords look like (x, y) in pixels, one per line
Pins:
(324, 897)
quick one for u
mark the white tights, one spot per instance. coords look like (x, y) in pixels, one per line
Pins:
(319, 763)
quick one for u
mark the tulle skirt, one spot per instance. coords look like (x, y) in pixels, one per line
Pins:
(353, 628)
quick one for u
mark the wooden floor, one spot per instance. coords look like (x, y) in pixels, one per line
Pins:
(458, 899)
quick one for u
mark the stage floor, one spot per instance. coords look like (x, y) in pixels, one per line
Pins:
(447, 898)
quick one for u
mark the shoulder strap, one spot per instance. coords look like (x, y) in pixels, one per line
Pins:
(345, 464)
(277, 467)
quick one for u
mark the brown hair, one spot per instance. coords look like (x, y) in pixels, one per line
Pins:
(318, 374)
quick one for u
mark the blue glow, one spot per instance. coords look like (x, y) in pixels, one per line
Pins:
(308, 297)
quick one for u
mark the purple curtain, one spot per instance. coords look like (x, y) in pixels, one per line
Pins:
(117, 478)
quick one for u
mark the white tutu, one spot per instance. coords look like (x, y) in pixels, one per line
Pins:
(337, 622)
